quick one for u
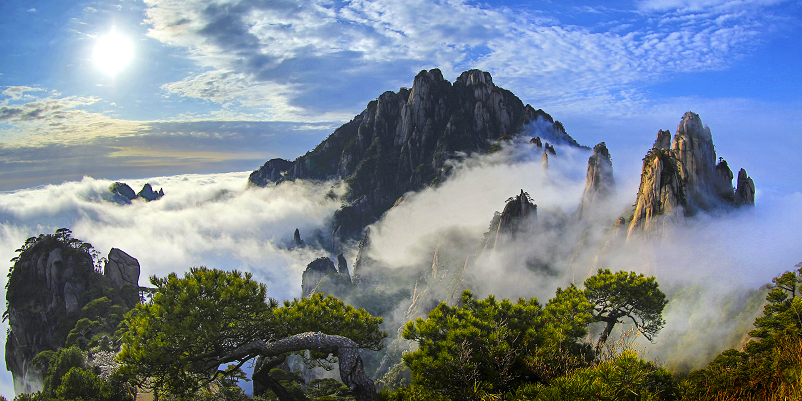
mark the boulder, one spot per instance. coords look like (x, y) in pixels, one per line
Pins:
(122, 269)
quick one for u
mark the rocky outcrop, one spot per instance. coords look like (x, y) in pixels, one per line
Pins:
(342, 266)
(684, 179)
(599, 182)
(518, 217)
(297, 242)
(122, 269)
(123, 194)
(402, 140)
(147, 193)
(745, 192)
(270, 172)
(315, 271)
(52, 279)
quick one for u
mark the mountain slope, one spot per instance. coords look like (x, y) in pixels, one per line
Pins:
(402, 140)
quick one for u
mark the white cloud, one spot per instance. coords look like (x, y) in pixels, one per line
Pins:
(285, 52)
(34, 120)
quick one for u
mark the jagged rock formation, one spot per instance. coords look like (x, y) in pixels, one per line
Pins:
(684, 179)
(123, 194)
(342, 266)
(402, 140)
(315, 271)
(536, 141)
(550, 150)
(270, 172)
(544, 161)
(518, 217)
(297, 242)
(122, 269)
(599, 183)
(52, 279)
(745, 192)
(147, 193)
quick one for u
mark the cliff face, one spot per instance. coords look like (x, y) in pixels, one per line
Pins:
(599, 183)
(685, 179)
(52, 279)
(402, 140)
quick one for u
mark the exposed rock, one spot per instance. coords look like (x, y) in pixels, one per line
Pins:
(362, 259)
(147, 193)
(663, 140)
(270, 172)
(342, 266)
(122, 269)
(518, 216)
(297, 242)
(661, 193)
(544, 161)
(50, 282)
(536, 141)
(315, 271)
(122, 193)
(402, 140)
(599, 183)
(745, 192)
(685, 179)
(550, 149)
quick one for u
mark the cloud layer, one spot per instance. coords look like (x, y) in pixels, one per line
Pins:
(289, 49)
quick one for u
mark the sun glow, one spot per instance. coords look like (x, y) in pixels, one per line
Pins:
(113, 52)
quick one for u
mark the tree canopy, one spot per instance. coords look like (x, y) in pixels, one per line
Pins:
(177, 341)
(483, 347)
(626, 295)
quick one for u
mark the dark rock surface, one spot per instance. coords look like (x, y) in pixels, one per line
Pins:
(599, 183)
(403, 139)
(52, 279)
(685, 179)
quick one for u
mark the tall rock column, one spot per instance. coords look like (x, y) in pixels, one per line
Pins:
(599, 183)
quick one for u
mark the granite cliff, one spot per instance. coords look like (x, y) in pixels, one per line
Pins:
(54, 277)
(683, 179)
(402, 140)
(599, 183)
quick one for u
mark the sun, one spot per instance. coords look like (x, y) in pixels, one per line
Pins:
(113, 52)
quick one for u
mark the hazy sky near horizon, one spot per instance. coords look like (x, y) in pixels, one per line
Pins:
(133, 89)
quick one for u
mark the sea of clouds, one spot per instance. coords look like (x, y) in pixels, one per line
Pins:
(218, 221)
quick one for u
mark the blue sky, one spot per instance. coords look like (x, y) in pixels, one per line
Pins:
(218, 86)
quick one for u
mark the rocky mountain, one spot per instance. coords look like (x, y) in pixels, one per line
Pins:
(54, 277)
(123, 194)
(683, 179)
(599, 183)
(402, 140)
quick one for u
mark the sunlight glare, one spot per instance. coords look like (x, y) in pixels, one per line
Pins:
(113, 52)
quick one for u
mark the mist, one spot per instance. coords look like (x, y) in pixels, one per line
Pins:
(712, 267)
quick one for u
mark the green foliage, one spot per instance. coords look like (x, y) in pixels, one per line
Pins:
(174, 340)
(327, 390)
(782, 315)
(769, 368)
(84, 385)
(327, 314)
(485, 347)
(205, 311)
(626, 295)
(626, 377)
(62, 361)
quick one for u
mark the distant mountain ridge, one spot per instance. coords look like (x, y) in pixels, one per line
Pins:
(402, 140)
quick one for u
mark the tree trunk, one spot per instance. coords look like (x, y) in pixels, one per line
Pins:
(261, 376)
(606, 333)
(352, 372)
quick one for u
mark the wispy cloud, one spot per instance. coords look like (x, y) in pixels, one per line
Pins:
(298, 56)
